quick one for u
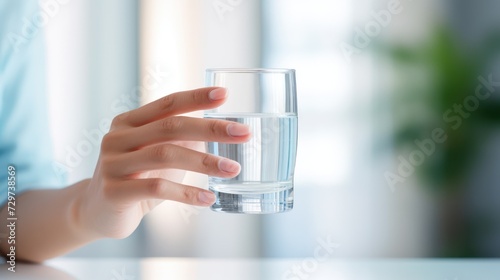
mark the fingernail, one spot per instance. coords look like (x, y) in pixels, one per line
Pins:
(229, 166)
(237, 129)
(206, 197)
(217, 94)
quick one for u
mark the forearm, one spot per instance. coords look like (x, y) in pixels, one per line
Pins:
(48, 224)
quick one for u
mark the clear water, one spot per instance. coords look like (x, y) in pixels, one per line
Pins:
(267, 160)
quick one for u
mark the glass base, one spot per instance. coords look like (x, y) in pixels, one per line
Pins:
(266, 203)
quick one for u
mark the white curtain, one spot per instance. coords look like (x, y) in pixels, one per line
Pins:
(92, 70)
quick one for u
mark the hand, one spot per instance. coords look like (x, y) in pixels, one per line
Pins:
(135, 172)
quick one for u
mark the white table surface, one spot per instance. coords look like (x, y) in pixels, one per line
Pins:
(292, 269)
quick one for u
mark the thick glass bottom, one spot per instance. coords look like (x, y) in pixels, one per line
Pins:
(251, 203)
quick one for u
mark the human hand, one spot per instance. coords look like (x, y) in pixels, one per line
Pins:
(142, 154)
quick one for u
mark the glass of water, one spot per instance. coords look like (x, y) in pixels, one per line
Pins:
(265, 100)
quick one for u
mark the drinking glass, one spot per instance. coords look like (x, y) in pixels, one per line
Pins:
(265, 100)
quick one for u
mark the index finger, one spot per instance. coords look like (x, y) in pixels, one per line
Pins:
(177, 103)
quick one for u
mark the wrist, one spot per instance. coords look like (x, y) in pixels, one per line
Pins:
(79, 216)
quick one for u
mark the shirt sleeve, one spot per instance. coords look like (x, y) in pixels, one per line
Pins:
(25, 140)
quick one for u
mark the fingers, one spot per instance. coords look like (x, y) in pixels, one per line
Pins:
(176, 103)
(156, 188)
(181, 129)
(172, 156)
(142, 140)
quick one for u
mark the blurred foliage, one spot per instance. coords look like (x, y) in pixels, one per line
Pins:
(455, 75)
(429, 79)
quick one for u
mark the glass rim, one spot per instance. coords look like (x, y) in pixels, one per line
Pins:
(250, 70)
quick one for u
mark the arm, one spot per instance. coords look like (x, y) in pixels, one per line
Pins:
(46, 224)
(135, 172)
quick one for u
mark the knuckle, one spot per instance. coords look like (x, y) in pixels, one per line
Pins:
(199, 96)
(217, 128)
(110, 189)
(189, 195)
(155, 187)
(107, 164)
(119, 119)
(208, 161)
(108, 141)
(162, 153)
(167, 102)
(170, 125)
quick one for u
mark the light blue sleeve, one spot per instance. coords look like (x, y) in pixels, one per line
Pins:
(24, 131)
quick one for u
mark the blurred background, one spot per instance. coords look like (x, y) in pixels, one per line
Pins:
(399, 117)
